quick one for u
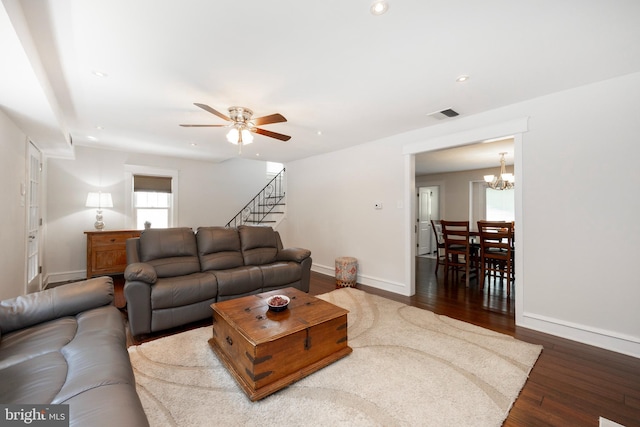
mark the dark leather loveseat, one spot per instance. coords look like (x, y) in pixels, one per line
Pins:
(66, 345)
(174, 275)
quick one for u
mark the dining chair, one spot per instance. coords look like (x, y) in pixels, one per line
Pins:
(437, 232)
(496, 251)
(457, 249)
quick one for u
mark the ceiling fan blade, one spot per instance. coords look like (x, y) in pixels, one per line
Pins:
(203, 126)
(273, 118)
(212, 111)
(270, 134)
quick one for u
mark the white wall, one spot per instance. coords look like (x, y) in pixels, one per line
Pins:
(13, 232)
(209, 194)
(454, 194)
(330, 211)
(579, 155)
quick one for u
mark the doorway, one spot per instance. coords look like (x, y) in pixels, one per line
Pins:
(428, 210)
(515, 128)
(34, 171)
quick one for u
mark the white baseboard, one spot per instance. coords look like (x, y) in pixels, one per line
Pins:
(608, 340)
(385, 285)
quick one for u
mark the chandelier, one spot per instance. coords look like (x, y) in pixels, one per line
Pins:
(503, 181)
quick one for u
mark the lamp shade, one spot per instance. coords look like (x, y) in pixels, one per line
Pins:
(99, 200)
(233, 136)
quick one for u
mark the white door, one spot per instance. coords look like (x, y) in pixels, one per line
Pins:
(427, 210)
(34, 277)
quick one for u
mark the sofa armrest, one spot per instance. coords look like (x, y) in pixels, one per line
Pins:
(138, 296)
(142, 272)
(65, 300)
(293, 254)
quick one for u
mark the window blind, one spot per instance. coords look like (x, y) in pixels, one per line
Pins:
(152, 184)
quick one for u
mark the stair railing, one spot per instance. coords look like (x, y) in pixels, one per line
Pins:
(256, 211)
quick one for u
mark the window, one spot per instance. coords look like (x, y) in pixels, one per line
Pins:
(500, 205)
(152, 201)
(273, 169)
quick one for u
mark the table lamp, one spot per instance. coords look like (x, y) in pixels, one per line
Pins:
(99, 200)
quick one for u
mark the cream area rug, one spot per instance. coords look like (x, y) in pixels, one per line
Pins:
(409, 367)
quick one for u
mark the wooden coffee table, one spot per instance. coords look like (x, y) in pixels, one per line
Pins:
(266, 351)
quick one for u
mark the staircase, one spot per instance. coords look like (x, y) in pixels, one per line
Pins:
(266, 208)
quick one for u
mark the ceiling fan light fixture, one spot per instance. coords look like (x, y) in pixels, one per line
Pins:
(379, 7)
(243, 127)
(233, 136)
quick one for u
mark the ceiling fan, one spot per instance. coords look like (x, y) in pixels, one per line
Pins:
(242, 125)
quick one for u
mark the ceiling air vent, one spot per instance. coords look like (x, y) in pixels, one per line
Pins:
(440, 115)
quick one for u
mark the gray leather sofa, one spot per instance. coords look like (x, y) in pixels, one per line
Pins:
(67, 345)
(174, 275)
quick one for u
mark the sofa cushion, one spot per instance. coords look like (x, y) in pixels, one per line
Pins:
(171, 251)
(165, 318)
(23, 344)
(57, 360)
(219, 248)
(259, 244)
(238, 281)
(35, 380)
(280, 274)
(89, 408)
(31, 365)
(175, 266)
(183, 290)
(97, 355)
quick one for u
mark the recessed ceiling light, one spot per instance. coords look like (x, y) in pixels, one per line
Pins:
(319, 132)
(99, 73)
(379, 7)
(462, 78)
(99, 127)
(193, 144)
(92, 138)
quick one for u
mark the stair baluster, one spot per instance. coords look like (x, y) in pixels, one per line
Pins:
(256, 211)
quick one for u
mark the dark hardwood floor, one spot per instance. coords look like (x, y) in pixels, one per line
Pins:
(571, 384)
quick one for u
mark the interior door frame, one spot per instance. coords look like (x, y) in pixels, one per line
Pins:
(436, 201)
(516, 128)
(33, 227)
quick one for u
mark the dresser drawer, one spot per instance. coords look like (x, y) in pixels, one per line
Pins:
(107, 251)
(109, 239)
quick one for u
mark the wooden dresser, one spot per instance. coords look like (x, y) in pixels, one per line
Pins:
(107, 251)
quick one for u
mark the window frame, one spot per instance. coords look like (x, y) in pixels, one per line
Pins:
(147, 209)
(130, 171)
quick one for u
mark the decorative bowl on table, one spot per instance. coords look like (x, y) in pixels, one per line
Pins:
(278, 302)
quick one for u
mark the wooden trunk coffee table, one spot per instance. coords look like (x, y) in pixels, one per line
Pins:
(266, 351)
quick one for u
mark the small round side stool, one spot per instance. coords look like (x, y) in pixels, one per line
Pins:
(346, 272)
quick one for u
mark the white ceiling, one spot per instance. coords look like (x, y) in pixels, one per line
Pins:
(468, 157)
(328, 66)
